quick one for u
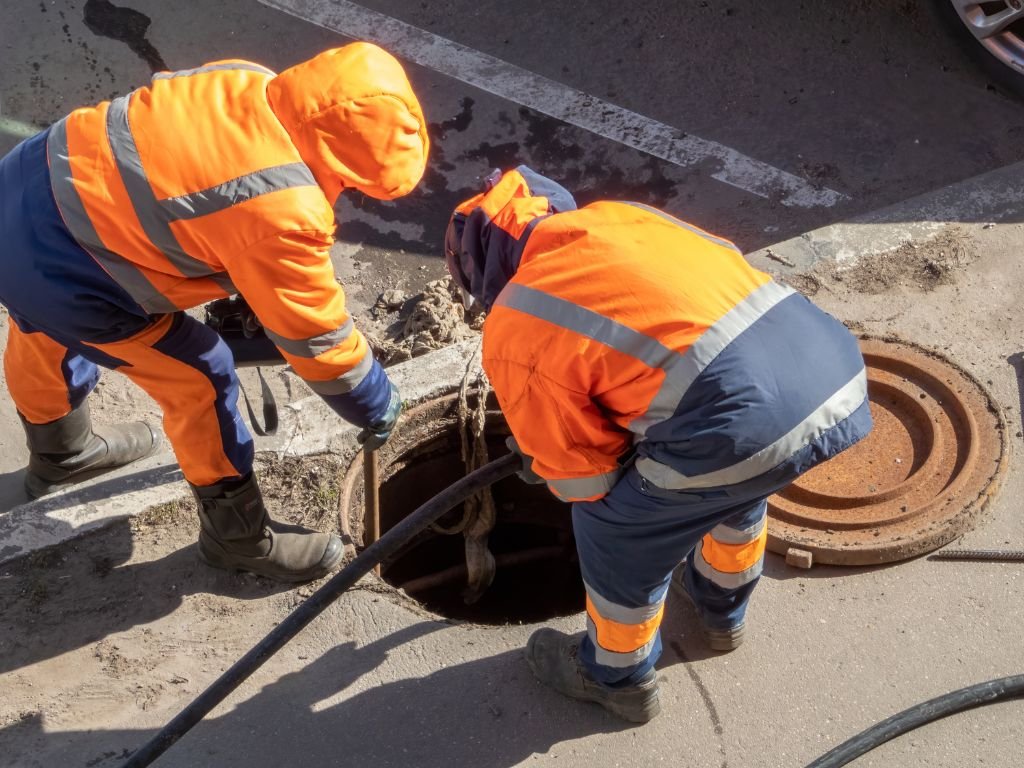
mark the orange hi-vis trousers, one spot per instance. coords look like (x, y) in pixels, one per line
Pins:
(183, 365)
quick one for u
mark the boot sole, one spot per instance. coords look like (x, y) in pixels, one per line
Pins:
(231, 564)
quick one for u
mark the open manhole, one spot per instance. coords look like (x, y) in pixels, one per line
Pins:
(537, 575)
(929, 466)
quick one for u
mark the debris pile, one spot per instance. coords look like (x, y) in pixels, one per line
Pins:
(435, 319)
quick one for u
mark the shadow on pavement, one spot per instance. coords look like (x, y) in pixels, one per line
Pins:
(12, 490)
(65, 597)
(487, 713)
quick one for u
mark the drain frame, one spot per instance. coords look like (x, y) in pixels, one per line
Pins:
(890, 524)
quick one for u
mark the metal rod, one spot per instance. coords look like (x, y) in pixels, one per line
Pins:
(460, 571)
(986, 555)
(316, 603)
(371, 498)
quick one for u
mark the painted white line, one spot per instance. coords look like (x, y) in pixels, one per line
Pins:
(18, 128)
(557, 100)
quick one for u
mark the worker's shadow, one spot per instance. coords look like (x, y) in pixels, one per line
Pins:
(488, 712)
(61, 598)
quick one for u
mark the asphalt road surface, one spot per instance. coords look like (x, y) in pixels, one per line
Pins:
(755, 120)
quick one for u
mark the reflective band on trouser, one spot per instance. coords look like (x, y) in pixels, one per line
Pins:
(729, 557)
(838, 407)
(125, 274)
(622, 637)
(681, 370)
(584, 488)
(314, 345)
(347, 381)
(214, 68)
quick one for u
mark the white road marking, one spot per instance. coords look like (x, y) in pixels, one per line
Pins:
(556, 100)
(18, 128)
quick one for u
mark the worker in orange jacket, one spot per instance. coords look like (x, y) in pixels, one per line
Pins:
(207, 182)
(663, 386)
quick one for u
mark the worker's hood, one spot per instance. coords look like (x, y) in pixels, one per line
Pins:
(486, 234)
(356, 122)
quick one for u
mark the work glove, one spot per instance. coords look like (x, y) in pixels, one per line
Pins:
(375, 435)
(526, 473)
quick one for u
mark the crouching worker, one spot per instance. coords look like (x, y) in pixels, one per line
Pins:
(208, 182)
(655, 380)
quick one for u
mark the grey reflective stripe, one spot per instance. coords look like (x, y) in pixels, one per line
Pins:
(224, 281)
(154, 221)
(214, 68)
(223, 196)
(124, 273)
(614, 659)
(620, 613)
(723, 534)
(585, 322)
(683, 370)
(315, 345)
(838, 407)
(584, 487)
(723, 579)
(346, 382)
(684, 225)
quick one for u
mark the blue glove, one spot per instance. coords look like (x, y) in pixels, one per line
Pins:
(526, 473)
(373, 405)
(375, 435)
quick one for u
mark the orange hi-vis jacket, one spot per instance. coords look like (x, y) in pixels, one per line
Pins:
(616, 333)
(221, 179)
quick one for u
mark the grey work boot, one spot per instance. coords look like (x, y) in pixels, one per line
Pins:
(237, 533)
(553, 657)
(718, 639)
(68, 451)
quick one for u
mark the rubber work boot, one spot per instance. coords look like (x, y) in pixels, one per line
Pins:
(553, 657)
(68, 451)
(237, 533)
(717, 639)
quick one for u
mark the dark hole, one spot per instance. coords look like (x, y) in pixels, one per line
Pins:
(531, 525)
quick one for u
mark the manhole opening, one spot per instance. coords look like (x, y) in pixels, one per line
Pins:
(537, 575)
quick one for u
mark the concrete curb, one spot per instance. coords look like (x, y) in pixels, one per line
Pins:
(307, 427)
(996, 196)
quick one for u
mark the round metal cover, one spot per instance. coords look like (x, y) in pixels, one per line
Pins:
(929, 466)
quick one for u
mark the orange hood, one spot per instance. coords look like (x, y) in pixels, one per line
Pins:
(354, 119)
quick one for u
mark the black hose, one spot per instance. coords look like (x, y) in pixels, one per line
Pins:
(978, 695)
(384, 547)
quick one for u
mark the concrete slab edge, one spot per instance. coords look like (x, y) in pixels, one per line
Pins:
(307, 427)
(996, 196)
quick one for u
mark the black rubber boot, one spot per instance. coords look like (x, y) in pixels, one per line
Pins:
(68, 451)
(237, 533)
(553, 657)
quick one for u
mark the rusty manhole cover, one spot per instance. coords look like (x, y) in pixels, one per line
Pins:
(929, 466)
